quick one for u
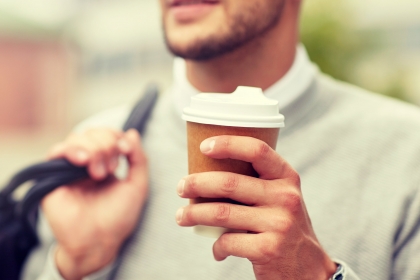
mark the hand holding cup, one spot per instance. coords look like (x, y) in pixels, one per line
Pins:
(245, 112)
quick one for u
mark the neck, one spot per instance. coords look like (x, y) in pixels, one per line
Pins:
(259, 63)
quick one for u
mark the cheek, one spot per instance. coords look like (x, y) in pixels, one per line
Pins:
(256, 10)
(162, 4)
(163, 8)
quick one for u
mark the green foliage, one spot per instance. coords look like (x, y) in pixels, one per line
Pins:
(329, 36)
(333, 41)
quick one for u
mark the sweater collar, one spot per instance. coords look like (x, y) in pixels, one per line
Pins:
(286, 90)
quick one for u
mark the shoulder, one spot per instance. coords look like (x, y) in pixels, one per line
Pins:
(365, 108)
(111, 118)
(374, 127)
(379, 133)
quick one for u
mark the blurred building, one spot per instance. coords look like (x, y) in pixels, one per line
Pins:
(35, 75)
(61, 62)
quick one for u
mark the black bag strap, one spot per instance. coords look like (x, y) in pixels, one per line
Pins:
(54, 173)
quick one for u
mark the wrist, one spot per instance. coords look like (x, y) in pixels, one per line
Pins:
(330, 268)
(339, 273)
(76, 266)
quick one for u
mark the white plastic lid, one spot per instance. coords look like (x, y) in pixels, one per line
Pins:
(245, 107)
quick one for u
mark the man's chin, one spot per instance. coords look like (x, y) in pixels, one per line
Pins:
(197, 53)
(193, 48)
(205, 49)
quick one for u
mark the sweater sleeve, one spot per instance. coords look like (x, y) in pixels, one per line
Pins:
(406, 255)
(407, 242)
(348, 273)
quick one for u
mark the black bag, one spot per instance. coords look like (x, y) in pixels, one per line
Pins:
(18, 218)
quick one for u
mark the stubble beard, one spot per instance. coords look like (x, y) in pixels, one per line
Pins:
(242, 29)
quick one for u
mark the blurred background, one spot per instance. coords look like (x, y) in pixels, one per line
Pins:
(61, 61)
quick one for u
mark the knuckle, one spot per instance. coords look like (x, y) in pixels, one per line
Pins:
(261, 150)
(103, 150)
(188, 215)
(294, 179)
(191, 185)
(111, 150)
(230, 184)
(96, 154)
(225, 143)
(224, 242)
(276, 222)
(57, 147)
(292, 200)
(267, 250)
(284, 225)
(77, 140)
(74, 137)
(97, 157)
(134, 133)
(222, 213)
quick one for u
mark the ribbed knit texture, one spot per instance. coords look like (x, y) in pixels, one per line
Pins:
(358, 155)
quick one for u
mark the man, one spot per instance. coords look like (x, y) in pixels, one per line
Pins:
(351, 210)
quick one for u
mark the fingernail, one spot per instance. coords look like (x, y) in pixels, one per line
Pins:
(82, 155)
(179, 214)
(100, 169)
(123, 145)
(180, 187)
(207, 145)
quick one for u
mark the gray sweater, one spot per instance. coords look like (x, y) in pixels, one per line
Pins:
(358, 155)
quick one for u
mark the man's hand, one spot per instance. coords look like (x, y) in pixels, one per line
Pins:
(280, 242)
(91, 218)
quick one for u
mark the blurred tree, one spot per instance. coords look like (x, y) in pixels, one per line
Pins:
(333, 41)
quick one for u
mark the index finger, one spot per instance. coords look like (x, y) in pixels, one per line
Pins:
(266, 162)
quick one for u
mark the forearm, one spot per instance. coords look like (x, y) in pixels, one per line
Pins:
(76, 266)
(52, 272)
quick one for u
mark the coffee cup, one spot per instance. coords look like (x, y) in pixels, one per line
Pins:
(245, 112)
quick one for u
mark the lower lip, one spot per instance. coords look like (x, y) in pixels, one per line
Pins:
(187, 13)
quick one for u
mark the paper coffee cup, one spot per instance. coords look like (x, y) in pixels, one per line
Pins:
(245, 112)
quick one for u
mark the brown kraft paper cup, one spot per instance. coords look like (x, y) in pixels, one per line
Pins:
(198, 162)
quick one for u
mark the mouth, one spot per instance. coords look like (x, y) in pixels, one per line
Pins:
(178, 3)
(188, 11)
